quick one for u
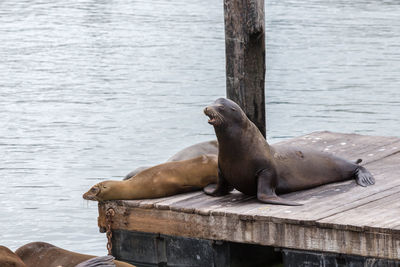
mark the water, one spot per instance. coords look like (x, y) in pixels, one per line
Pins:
(90, 90)
(333, 65)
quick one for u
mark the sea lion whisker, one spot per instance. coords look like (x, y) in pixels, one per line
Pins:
(217, 116)
(220, 117)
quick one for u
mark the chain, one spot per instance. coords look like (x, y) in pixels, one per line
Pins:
(109, 214)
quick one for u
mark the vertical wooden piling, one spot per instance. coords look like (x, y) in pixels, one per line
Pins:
(245, 57)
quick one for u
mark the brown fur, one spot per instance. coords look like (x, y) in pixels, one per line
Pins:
(9, 258)
(193, 151)
(38, 254)
(163, 180)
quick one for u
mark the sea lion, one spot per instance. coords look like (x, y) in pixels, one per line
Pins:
(160, 181)
(193, 151)
(44, 254)
(248, 163)
(196, 150)
(9, 258)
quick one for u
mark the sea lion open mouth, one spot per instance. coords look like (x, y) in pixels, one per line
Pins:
(215, 117)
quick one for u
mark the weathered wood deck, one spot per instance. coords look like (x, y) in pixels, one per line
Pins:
(339, 218)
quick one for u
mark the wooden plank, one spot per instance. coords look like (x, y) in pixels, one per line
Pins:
(378, 213)
(203, 203)
(323, 138)
(232, 200)
(161, 203)
(168, 201)
(349, 146)
(382, 205)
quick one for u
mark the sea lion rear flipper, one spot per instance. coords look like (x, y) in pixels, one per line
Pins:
(364, 177)
(266, 191)
(104, 261)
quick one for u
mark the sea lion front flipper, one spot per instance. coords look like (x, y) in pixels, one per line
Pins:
(221, 189)
(364, 177)
(266, 190)
(274, 199)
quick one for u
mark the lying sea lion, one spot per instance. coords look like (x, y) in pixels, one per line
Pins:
(248, 163)
(9, 258)
(162, 180)
(193, 151)
(196, 150)
(37, 254)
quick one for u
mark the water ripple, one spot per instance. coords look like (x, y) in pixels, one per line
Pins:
(92, 89)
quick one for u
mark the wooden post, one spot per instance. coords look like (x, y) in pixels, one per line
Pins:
(245, 57)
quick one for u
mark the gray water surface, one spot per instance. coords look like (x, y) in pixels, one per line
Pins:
(90, 90)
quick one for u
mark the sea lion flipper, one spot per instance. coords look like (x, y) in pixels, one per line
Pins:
(274, 199)
(364, 177)
(266, 189)
(221, 189)
(106, 261)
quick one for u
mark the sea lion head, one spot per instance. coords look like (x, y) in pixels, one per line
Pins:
(9, 258)
(98, 192)
(224, 112)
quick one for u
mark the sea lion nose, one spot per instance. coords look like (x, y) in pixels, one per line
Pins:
(205, 110)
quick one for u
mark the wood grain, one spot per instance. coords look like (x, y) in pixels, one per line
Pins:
(245, 57)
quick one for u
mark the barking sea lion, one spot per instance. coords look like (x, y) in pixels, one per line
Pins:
(248, 163)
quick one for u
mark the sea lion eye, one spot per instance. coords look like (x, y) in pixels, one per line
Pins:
(93, 190)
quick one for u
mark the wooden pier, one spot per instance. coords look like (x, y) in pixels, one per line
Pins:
(336, 219)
